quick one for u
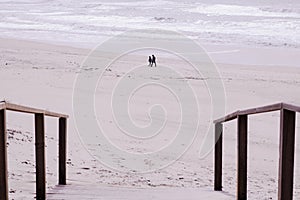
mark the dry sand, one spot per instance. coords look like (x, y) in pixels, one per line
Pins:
(42, 75)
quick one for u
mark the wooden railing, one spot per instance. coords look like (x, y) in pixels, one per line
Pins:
(287, 148)
(39, 148)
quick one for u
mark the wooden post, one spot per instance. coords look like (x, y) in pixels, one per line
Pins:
(3, 157)
(40, 156)
(242, 157)
(62, 151)
(218, 156)
(286, 154)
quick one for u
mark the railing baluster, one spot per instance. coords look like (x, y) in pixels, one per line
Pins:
(62, 151)
(39, 117)
(3, 157)
(287, 148)
(218, 156)
(286, 157)
(242, 157)
(40, 156)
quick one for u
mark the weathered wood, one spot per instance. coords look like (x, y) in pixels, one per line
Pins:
(3, 157)
(287, 147)
(62, 151)
(290, 107)
(39, 147)
(40, 156)
(286, 156)
(2, 105)
(263, 109)
(228, 117)
(26, 109)
(218, 156)
(83, 191)
(242, 157)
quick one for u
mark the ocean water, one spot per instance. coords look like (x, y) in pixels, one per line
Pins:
(87, 23)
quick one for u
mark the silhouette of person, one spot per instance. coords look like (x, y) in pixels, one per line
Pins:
(153, 60)
(150, 61)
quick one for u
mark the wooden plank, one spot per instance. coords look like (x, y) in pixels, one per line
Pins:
(242, 157)
(62, 151)
(90, 191)
(229, 117)
(26, 109)
(54, 114)
(218, 156)
(286, 156)
(3, 157)
(291, 107)
(263, 109)
(40, 156)
(2, 105)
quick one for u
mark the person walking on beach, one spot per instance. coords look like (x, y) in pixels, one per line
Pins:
(150, 61)
(153, 60)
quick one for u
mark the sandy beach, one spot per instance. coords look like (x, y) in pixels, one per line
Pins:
(42, 75)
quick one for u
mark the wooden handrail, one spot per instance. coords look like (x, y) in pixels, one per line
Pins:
(39, 147)
(287, 148)
(290, 107)
(26, 109)
(2, 105)
(263, 109)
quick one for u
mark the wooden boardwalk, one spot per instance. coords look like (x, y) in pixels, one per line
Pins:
(79, 191)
